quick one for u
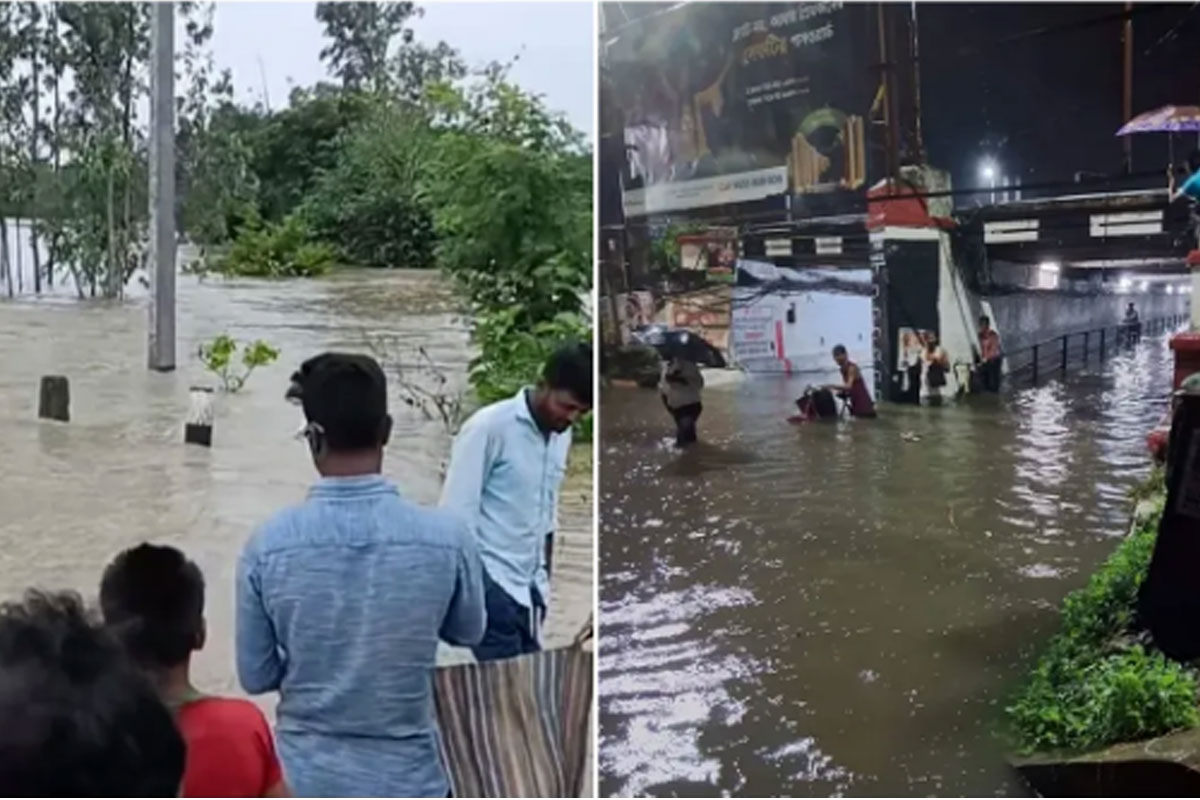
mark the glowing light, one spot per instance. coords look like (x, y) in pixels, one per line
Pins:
(1052, 267)
(1124, 284)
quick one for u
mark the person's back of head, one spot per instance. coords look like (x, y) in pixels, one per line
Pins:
(344, 397)
(152, 599)
(80, 718)
(1193, 161)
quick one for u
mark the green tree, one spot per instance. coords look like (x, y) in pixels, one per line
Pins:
(510, 186)
(369, 203)
(294, 146)
(215, 180)
(360, 36)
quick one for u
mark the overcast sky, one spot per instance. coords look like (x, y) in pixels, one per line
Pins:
(555, 41)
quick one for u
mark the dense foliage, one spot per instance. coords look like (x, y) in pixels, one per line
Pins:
(408, 160)
(1096, 684)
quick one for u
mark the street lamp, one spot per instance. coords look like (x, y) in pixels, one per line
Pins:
(988, 171)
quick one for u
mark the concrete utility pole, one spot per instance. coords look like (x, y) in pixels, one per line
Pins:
(161, 260)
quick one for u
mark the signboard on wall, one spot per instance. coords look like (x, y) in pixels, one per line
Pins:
(707, 313)
(731, 102)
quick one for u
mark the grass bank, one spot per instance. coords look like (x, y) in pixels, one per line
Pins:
(1100, 680)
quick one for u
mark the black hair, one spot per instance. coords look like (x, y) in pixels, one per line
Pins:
(570, 368)
(346, 394)
(1193, 161)
(153, 602)
(80, 718)
(984, 319)
(839, 350)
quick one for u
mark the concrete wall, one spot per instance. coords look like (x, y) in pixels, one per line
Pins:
(763, 339)
(1027, 318)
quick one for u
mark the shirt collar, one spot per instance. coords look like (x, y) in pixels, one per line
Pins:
(353, 486)
(523, 411)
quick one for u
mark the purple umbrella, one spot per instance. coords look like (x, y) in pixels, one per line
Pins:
(1168, 119)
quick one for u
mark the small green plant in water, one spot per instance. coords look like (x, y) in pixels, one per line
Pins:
(218, 357)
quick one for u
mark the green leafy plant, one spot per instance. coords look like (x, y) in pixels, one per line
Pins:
(283, 250)
(218, 357)
(1096, 684)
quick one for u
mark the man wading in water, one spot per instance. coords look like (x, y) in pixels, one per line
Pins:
(990, 356)
(680, 386)
(341, 601)
(505, 472)
(852, 387)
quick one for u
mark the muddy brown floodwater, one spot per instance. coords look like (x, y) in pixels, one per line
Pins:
(72, 495)
(840, 608)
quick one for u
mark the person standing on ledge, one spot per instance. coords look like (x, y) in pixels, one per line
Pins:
(852, 387)
(506, 468)
(680, 387)
(989, 353)
(341, 601)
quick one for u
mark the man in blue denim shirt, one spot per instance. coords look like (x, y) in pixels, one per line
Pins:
(341, 601)
(505, 472)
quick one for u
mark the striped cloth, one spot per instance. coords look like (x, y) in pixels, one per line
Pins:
(517, 727)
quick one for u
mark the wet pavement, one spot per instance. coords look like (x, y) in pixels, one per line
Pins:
(842, 608)
(72, 495)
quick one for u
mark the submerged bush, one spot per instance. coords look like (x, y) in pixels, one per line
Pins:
(1090, 689)
(283, 250)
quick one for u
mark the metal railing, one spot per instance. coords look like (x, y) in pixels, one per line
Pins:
(1058, 354)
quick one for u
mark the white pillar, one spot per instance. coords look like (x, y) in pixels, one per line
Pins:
(161, 261)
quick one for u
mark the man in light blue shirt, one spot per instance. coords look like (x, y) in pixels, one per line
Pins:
(506, 468)
(341, 601)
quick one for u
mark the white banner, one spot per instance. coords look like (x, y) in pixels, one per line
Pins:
(739, 188)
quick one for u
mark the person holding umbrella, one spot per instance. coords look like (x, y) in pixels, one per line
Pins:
(680, 386)
(1190, 188)
(681, 383)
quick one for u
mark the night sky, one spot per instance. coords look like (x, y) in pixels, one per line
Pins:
(1047, 106)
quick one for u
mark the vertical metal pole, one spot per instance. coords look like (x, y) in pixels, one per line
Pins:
(1035, 364)
(1064, 355)
(162, 187)
(1085, 347)
(1102, 345)
(919, 139)
(1127, 87)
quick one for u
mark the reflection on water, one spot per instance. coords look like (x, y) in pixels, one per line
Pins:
(842, 608)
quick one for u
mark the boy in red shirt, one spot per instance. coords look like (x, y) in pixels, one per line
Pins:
(153, 601)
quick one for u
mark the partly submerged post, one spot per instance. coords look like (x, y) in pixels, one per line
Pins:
(54, 398)
(161, 263)
(198, 429)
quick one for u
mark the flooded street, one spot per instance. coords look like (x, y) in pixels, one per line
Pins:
(72, 495)
(843, 608)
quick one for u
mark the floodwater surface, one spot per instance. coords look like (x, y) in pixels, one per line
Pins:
(843, 608)
(72, 495)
